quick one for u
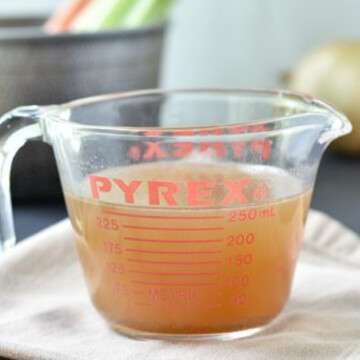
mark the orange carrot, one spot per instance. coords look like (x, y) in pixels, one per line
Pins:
(62, 19)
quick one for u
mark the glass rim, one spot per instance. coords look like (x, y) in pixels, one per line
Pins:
(54, 112)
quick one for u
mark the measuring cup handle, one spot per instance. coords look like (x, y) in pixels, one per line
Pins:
(16, 127)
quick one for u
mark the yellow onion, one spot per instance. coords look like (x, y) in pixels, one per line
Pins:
(332, 73)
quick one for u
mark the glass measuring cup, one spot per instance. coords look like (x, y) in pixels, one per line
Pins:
(188, 206)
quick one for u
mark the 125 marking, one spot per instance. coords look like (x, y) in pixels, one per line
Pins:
(115, 268)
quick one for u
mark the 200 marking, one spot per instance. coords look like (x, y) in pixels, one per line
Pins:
(241, 239)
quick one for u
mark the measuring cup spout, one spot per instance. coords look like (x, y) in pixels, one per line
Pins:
(335, 126)
(299, 140)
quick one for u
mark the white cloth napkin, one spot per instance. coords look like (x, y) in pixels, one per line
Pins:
(45, 312)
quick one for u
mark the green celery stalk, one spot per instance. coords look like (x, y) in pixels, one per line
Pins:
(102, 14)
(118, 13)
(146, 12)
(112, 14)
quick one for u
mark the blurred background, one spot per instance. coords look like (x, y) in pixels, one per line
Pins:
(226, 42)
(310, 46)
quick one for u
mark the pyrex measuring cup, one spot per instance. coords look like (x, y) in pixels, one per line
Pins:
(188, 206)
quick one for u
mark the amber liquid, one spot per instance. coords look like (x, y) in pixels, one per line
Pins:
(191, 270)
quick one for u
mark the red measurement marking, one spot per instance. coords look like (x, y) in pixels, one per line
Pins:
(175, 262)
(251, 214)
(172, 241)
(138, 292)
(133, 227)
(187, 306)
(142, 304)
(173, 274)
(174, 252)
(172, 283)
(110, 212)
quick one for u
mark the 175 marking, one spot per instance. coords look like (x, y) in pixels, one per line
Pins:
(112, 248)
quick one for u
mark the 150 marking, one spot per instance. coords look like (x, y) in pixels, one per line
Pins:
(240, 260)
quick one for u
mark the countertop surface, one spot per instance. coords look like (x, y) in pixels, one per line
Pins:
(336, 193)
